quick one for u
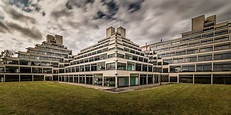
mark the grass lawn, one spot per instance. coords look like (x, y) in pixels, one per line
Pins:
(56, 98)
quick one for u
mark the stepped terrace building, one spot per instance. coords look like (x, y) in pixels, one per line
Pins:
(114, 61)
(202, 55)
(42, 62)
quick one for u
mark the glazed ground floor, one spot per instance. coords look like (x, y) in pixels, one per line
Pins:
(100, 79)
(205, 78)
(27, 77)
(111, 81)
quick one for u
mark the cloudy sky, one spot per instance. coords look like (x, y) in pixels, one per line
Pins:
(24, 23)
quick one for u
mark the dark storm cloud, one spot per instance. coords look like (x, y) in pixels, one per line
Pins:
(25, 5)
(60, 13)
(78, 3)
(4, 28)
(19, 16)
(33, 32)
(112, 9)
(135, 6)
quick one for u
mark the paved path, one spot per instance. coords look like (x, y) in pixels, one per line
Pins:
(118, 90)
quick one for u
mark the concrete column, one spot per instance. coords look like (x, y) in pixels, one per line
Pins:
(139, 80)
(129, 79)
(211, 78)
(93, 80)
(85, 79)
(178, 78)
(146, 79)
(193, 79)
(116, 82)
(19, 78)
(159, 79)
(102, 80)
(32, 77)
(4, 78)
(153, 79)
(78, 79)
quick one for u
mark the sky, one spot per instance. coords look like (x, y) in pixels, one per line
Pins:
(82, 23)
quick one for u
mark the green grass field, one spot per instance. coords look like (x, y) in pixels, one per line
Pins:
(56, 98)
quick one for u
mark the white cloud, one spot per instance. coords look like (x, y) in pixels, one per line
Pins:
(150, 21)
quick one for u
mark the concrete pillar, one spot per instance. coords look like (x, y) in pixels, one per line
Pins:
(116, 82)
(193, 79)
(78, 80)
(85, 81)
(153, 79)
(32, 77)
(4, 78)
(102, 80)
(129, 79)
(211, 78)
(139, 80)
(159, 79)
(19, 78)
(93, 80)
(146, 79)
(178, 78)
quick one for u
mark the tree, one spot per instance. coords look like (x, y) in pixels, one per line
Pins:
(6, 53)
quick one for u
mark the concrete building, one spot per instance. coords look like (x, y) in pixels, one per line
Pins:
(42, 62)
(114, 61)
(202, 55)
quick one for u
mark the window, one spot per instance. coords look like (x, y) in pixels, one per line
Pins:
(206, 57)
(134, 58)
(192, 51)
(1, 69)
(222, 46)
(103, 56)
(128, 56)
(180, 53)
(188, 68)
(138, 67)
(206, 49)
(225, 66)
(45, 70)
(82, 68)
(222, 55)
(13, 69)
(110, 66)
(221, 32)
(167, 61)
(77, 68)
(120, 55)
(221, 39)
(149, 68)
(130, 66)
(94, 67)
(145, 67)
(101, 66)
(141, 59)
(204, 67)
(190, 59)
(175, 69)
(178, 60)
(121, 66)
(87, 67)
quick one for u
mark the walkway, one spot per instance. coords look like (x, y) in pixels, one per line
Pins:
(118, 90)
